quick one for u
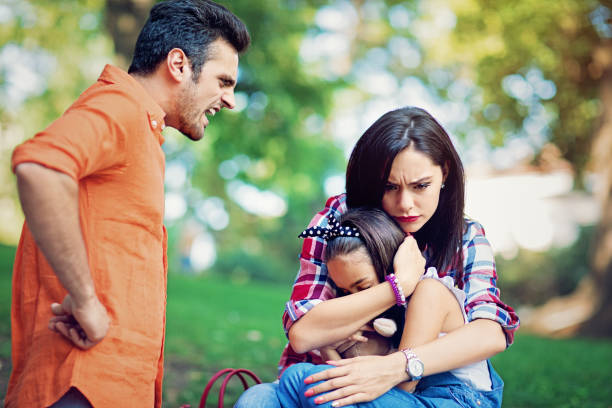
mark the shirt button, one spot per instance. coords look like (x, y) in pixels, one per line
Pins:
(154, 124)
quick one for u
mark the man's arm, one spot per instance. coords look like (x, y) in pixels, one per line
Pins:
(50, 203)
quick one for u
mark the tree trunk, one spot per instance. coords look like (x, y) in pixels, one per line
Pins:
(124, 20)
(600, 323)
(588, 310)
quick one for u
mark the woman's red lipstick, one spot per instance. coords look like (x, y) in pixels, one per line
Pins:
(407, 219)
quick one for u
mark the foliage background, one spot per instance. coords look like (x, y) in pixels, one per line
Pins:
(318, 73)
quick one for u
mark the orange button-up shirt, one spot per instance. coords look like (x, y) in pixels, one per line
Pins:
(109, 141)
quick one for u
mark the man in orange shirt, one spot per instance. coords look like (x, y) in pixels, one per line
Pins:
(89, 282)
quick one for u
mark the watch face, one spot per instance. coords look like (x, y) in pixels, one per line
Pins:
(415, 367)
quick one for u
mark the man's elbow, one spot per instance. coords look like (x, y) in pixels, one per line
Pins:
(28, 176)
(27, 171)
(33, 174)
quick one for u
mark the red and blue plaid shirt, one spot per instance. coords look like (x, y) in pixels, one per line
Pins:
(313, 286)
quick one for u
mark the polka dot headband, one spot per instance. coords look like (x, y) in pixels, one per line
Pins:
(331, 231)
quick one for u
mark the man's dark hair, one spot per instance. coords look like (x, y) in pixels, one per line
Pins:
(191, 25)
(370, 164)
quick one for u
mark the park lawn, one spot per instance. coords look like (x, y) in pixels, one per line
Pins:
(7, 255)
(213, 323)
(538, 372)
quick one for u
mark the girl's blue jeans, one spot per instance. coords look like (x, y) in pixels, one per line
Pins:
(442, 390)
(259, 396)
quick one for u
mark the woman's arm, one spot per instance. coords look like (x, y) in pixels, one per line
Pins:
(479, 282)
(476, 341)
(366, 378)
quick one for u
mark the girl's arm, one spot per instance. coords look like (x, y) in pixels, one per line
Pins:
(312, 288)
(338, 318)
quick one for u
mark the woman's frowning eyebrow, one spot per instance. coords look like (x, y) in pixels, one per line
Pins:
(417, 181)
(422, 180)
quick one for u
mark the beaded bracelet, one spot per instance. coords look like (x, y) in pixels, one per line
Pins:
(400, 299)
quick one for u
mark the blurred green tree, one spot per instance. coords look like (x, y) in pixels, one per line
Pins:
(544, 70)
(537, 71)
(49, 53)
(533, 71)
(271, 155)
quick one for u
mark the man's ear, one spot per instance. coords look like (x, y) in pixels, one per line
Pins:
(178, 64)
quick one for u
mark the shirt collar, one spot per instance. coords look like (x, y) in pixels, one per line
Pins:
(156, 114)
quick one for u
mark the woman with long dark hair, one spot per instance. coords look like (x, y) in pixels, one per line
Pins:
(405, 164)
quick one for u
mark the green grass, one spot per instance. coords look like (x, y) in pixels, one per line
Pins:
(541, 372)
(7, 256)
(213, 323)
(537, 372)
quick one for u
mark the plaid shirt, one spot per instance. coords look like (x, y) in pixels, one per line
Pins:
(312, 285)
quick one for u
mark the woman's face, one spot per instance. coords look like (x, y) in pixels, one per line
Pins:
(413, 189)
(352, 272)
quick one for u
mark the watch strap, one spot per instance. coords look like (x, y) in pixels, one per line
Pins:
(410, 355)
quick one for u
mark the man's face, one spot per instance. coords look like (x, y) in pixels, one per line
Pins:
(213, 91)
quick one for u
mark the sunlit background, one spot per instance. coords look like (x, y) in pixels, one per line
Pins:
(522, 86)
(306, 94)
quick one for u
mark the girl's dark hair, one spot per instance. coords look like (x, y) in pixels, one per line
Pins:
(370, 164)
(379, 235)
(191, 25)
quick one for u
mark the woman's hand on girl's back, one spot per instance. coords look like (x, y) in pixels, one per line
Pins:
(408, 264)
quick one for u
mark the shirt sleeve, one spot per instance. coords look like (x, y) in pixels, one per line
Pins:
(480, 283)
(88, 138)
(312, 285)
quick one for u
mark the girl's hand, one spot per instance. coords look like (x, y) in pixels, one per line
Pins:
(329, 353)
(408, 264)
(356, 337)
(332, 351)
(358, 379)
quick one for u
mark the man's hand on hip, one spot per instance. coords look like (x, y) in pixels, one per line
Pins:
(84, 325)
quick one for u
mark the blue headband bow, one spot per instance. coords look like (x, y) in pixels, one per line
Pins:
(332, 230)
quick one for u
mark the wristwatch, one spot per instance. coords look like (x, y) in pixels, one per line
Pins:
(414, 365)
